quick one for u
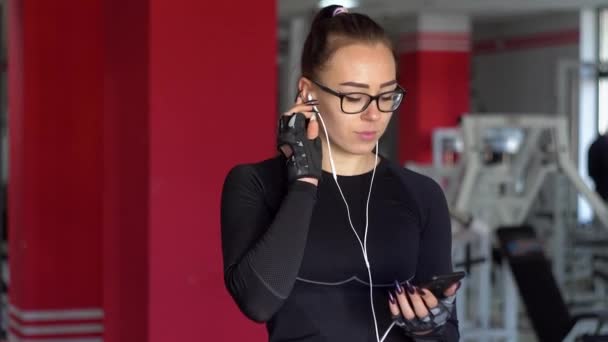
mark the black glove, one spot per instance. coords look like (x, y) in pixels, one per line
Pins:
(434, 321)
(305, 161)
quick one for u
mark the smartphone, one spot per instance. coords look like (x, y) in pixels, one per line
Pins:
(439, 283)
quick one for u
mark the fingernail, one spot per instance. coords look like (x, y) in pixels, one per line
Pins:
(391, 298)
(410, 288)
(313, 118)
(398, 287)
(420, 291)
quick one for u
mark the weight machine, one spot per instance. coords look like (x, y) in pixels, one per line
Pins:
(504, 170)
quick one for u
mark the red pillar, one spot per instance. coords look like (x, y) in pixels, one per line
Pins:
(125, 118)
(434, 68)
(126, 170)
(55, 193)
(190, 91)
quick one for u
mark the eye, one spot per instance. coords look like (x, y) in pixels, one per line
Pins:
(353, 98)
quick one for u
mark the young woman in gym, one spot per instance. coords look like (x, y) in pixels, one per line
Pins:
(328, 241)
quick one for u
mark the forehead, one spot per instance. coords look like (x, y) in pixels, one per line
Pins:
(371, 63)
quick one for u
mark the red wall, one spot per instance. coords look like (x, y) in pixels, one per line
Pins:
(212, 104)
(438, 93)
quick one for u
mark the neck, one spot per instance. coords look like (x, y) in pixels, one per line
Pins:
(347, 164)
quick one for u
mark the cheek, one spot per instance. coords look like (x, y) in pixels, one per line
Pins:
(334, 120)
(342, 124)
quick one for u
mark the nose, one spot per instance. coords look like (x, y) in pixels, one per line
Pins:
(371, 113)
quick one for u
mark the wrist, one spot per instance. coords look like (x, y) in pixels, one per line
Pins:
(310, 180)
(435, 335)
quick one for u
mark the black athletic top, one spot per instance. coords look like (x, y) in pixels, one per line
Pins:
(292, 260)
(598, 165)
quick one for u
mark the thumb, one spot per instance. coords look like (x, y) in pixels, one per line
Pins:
(452, 289)
(313, 128)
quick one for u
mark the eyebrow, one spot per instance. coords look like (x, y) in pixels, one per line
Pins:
(366, 86)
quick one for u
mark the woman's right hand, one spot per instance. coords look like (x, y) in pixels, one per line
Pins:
(418, 311)
(300, 143)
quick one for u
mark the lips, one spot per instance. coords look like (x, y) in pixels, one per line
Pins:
(366, 135)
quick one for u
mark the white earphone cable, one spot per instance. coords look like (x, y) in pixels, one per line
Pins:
(363, 243)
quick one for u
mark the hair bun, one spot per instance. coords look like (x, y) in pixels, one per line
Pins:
(339, 10)
(330, 11)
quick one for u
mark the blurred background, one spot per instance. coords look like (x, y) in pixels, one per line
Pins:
(120, 119)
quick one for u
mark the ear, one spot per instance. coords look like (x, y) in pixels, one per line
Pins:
(305, 87)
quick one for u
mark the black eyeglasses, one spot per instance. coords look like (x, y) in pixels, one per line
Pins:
(354, 103)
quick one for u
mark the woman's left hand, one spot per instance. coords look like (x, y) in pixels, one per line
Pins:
(418, 310)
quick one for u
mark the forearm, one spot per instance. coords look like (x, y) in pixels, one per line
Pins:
(263, 277)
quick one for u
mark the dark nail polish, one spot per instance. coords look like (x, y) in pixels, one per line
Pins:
(391, 298)
(420, 291)
(410, 288)
(398, 287)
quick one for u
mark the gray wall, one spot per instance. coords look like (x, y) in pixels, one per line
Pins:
(520, 80)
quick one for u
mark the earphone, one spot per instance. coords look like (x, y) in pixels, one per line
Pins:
(363, 244)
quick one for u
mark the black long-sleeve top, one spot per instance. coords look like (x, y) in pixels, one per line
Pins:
(292, 260)
(597, 161)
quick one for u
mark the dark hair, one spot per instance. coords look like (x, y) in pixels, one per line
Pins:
(330, 31)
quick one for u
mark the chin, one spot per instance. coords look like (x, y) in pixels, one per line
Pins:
(361, 149)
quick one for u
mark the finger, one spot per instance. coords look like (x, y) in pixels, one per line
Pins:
(452, 289)
(287, 151)
(427, 297)
(392, 304)
(417, 302)
(304, 108)
(298, 121)
(313, 128)
(404, 305)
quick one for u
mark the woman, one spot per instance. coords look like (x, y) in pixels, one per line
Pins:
(324, 241)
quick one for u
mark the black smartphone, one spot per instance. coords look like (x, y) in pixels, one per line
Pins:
(439, 283)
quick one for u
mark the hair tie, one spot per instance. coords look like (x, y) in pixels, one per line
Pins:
(339, 10)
